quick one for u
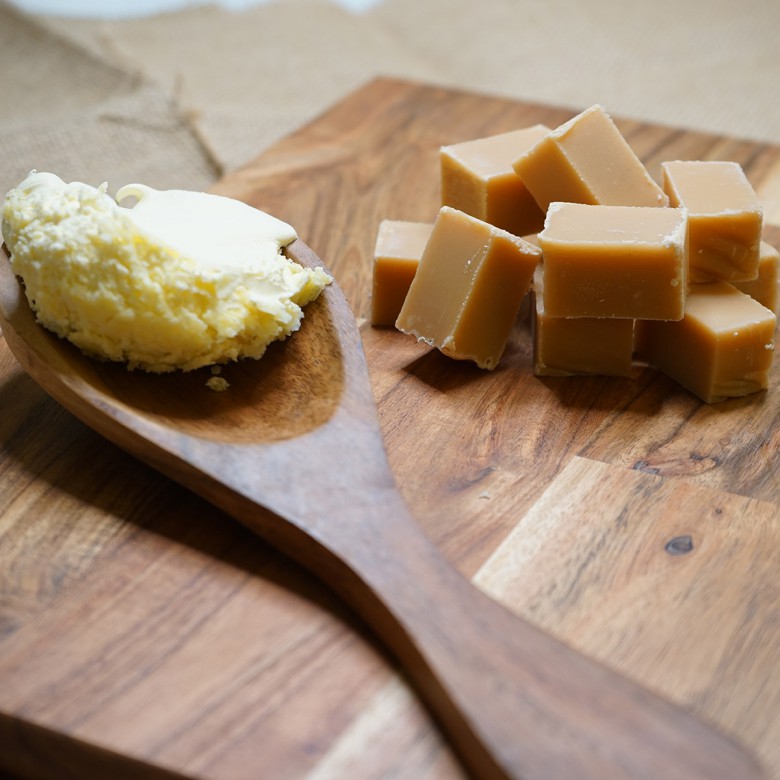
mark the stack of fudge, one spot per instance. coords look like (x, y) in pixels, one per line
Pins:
(620, 270)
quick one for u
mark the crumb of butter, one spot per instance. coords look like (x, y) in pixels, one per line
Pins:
(179, 280)
(217, 383)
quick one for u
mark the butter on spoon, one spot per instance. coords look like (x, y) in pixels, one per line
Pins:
(179, 281)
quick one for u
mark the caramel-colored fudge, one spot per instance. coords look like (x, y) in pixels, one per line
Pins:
(724, 218)
(764, 287)
(566, 346)
(399, 247)
(722, 348)
(477, 177)
(614, 261)
(587, 160)
(465, 296)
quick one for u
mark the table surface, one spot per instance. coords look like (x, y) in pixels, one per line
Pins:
(142, 630)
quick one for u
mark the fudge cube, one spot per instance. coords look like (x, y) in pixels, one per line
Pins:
(567, 346)
(477, 177)
(399, 246)
(722, 348)
(764, 287)
(614, 261)
(724, 218)
(465, 296)
(587, 160)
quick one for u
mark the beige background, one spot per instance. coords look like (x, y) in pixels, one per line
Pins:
(176, 100)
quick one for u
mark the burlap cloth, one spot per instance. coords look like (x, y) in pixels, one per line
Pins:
(176, 100)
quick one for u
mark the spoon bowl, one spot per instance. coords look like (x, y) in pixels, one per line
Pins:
(295, 387)
(297, 433)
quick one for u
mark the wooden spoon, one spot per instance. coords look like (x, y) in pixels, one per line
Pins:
(297, 433)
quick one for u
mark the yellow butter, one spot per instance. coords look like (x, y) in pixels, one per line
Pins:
(177, 281)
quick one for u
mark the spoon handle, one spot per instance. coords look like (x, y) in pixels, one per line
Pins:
(514, 702)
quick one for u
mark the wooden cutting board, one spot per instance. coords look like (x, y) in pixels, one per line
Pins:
(143, 632)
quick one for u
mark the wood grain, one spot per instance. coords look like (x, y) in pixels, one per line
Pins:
(505, 694)
(140, 623)
(666, 610)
